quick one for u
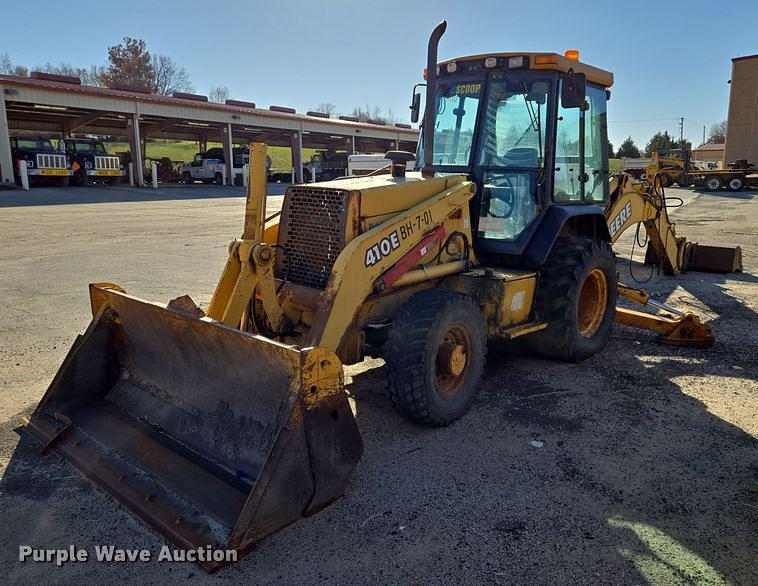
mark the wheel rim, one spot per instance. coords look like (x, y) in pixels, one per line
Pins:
(714, 184)
(592, 301)
(735, 183)
(452, 360)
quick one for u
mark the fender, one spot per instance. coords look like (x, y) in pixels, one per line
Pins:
(588, 220)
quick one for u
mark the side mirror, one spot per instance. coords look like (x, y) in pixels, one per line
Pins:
(415, 107)
(573, 90)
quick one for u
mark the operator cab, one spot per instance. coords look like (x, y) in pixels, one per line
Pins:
(531, 131)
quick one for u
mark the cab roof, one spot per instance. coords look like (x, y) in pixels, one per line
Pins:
(549, 61)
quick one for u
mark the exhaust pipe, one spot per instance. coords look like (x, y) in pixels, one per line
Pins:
(431, 97)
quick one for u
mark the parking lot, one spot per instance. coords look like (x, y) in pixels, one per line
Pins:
(639, 464)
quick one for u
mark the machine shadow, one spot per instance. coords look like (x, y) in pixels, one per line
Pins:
(44, 196)
(604, 471)
(629, 476)
(746, 194)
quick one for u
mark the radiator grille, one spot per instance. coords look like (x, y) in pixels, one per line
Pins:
(107, 163)
(51, 161)
(313, 234)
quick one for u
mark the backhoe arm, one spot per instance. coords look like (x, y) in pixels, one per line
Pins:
(632, 203)
(683, 329)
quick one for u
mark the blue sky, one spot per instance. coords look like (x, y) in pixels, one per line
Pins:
(300, 53)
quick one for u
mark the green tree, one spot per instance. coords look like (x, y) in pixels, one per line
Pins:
(628, 149)
(661, 141)
(129, 63)
(610, 150)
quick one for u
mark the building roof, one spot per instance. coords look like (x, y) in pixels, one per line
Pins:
(711, 146)
(134, 96)
(745, 57)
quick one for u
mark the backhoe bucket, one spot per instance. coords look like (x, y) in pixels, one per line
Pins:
(704, 258)
(212, 436)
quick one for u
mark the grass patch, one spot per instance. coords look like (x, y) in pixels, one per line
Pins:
(614, 165)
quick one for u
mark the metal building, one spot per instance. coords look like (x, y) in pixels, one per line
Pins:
(48, 103)
(742, 121)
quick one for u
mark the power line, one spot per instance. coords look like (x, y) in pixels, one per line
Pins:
(642, 120)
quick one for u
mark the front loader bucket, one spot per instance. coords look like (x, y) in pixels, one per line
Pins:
(214, 437)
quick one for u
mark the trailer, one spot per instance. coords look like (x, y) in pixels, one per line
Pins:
(669, 167)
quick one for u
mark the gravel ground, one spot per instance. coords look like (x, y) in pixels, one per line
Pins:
(638, 465)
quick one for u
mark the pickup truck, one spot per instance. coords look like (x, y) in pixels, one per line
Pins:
(208, 166)
(90, 161)
(207, 170)
(42, 160)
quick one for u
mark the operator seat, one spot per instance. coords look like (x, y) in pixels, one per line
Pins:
(521, 157)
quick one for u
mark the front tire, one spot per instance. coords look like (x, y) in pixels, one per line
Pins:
(218, 179)
(576, 296)
(435, 356)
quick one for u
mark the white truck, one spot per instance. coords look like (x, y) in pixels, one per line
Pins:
(365, 164)
(202, 168)
(637, 168)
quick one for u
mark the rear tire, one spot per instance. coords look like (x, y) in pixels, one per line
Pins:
(665, 179)
(713, 183)
(735, 183)
(683, 181)
(187, 178)
(218, 179)
(435, 356)
(576, 296)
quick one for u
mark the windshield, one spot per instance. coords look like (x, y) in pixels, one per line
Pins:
(457, 106)
(35, 143)
(513, 133)
(89, 146)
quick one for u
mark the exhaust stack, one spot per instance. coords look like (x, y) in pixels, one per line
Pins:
(431, 96)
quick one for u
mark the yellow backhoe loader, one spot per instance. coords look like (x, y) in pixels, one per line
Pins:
(220, 427)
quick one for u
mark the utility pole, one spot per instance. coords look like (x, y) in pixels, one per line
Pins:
(703, 134)
(681, 132)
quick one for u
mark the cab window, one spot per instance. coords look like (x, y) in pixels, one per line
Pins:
(596, 145)
(457, 106)
(568, 186)
(512, 152)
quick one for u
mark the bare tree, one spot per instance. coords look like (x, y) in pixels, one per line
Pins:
(7, 67)
(326, 108)
(375, 113)
(169, 77)
(219, 94)
(717, 134)
(91, 76)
